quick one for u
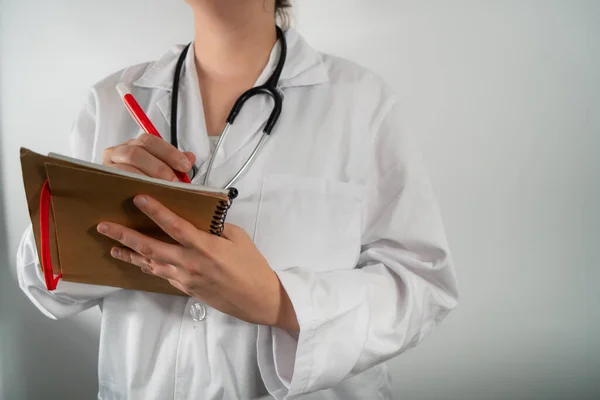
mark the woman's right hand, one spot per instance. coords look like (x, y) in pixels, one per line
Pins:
(149, 155)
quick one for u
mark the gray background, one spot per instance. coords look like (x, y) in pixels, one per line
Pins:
(504, 96)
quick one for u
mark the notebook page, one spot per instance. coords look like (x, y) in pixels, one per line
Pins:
(110, 170)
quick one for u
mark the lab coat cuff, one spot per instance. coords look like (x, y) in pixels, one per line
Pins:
(285, 358)
(68, 297)
(72, 292)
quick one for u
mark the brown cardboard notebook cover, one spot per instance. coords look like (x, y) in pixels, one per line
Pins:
(83, 196)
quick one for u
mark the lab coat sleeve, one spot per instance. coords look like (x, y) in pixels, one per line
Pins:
(68, 298)
(403, 286)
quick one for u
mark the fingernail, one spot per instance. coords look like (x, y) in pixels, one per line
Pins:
(102, 228)
(140, 200)
(115, 252)
(185, 164)
(176, 179)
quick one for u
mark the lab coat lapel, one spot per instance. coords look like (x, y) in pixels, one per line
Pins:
(191, 125)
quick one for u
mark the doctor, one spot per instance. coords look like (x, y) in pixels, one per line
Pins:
(334, 259)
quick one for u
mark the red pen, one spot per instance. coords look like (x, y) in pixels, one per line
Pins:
(142, 120)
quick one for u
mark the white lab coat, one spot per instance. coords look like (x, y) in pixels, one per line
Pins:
(339, 203)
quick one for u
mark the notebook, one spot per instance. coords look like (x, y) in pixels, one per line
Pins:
(67, 198)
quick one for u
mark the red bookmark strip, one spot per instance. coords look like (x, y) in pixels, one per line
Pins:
(51, 281)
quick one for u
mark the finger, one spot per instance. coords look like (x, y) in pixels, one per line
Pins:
(169, 272)
(164, 151)
(190, 156)
(147, 265)
(175, 226)
(109, 151)
(141, 159)
(107, 154)
(179, 286)
(142, 244)
(234, 233)
(128, 168)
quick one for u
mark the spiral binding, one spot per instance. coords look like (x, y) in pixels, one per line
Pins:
(218, 222)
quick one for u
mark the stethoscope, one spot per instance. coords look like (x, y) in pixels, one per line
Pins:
(269, 88)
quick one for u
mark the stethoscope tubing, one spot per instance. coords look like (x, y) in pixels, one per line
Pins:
(269, 88)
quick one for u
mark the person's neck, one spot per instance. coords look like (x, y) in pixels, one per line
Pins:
(233, 43)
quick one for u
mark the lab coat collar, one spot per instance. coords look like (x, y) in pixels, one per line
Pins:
(303, 67)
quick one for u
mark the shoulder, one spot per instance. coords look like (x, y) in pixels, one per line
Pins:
(362, 91)
(126, 75)
(102, 120)
(137, 75)
(346, 73)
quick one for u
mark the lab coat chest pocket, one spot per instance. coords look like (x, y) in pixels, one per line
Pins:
(309, 222)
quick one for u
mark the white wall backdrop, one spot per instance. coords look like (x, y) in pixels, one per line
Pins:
(505, 98)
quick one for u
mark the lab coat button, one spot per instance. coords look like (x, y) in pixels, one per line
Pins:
(198, 312)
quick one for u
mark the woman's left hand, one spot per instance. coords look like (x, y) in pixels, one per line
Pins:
(227, 273)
